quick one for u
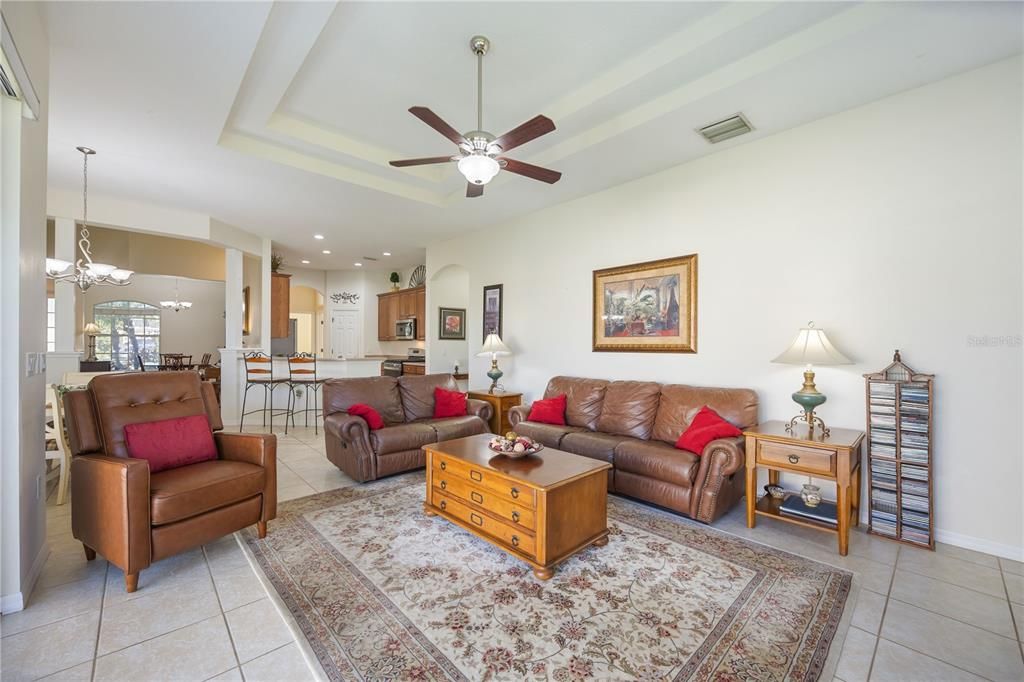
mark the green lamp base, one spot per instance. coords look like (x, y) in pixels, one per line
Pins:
(494, 374)
(809, 398)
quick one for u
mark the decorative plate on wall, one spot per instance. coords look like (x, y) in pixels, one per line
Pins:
(418, 277)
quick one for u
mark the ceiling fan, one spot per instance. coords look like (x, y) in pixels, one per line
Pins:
(479, 158)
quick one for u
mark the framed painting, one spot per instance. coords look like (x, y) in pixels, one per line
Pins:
(245, 312)
(492, 310)
(647, 307)
(451, 325)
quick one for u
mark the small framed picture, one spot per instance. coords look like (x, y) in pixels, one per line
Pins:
(492, 310)
(451, 324)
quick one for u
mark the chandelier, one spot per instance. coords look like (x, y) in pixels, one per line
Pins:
(84, 272)
(176, 305)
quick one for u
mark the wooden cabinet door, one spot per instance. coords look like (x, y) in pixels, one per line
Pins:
(280, 287)
(421, 314)
(406, 304)
(391, 314)
(383, 328)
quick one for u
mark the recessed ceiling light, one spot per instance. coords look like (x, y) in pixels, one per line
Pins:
(326, 252)
(305, 262)
(358, 265)
(318, 236)
(387, 253)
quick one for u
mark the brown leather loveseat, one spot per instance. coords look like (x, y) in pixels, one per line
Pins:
(406, 404)
(133, 517)
(634, 425)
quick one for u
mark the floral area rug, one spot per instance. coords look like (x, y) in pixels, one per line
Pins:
(383, 592)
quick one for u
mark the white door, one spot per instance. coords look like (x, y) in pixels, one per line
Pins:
(345, 333)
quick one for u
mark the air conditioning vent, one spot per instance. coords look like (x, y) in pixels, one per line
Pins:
(369, 258)
(724, 130)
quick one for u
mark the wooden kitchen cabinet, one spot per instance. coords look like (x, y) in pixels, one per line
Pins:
(421, 314)
(387, 315)
(401, 305)
(407, 304)
(280, 304)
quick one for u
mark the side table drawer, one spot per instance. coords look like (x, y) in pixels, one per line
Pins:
(519, 540)
(797, 457)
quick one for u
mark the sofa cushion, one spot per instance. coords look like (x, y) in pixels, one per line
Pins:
(171, 443)
(583, 399)
(418, 393)
(370, 415)
(187, 491)
(549, 410)
(629, 408)
(657, 460)
(449, 403)
(680, 403)
(706, 426)
(550, 435)
(402, 437)
(397, 462)
(380, 393)
(591, 444)
(448, 428)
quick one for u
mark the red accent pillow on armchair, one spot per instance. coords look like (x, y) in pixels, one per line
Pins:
(549, 410)
(372, 416)
(171, 443)
(449, 403)
(705, 427)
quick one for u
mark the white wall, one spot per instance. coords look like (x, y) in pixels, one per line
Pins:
(195, 331)
(894, 225)
(23, 316)
(448, 287)
(366, 283)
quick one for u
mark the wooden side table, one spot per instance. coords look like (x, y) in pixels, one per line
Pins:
(836, 457)
(501, 403)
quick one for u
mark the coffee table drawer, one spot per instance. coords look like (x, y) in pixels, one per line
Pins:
(480, 478)
(796, 457)
(485, 499)
(515, 538)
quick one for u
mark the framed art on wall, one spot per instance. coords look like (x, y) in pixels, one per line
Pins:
(245, 311)
(451, 324)
(492, 310)
(647, 307)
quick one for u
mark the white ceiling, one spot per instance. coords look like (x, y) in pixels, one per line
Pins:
(280, 118)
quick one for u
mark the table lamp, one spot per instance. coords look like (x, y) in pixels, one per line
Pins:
(811, 347)
(494, 347)
(91, 330)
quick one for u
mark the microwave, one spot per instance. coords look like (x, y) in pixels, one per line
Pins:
(405, 329)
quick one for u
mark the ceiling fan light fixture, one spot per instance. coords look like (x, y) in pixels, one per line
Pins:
(478, 169)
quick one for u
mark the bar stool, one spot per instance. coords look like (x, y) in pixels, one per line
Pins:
(302, 373)
(259, 371)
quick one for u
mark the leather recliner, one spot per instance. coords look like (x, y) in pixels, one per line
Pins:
(633, 425)
(406, 404)
(133, 517)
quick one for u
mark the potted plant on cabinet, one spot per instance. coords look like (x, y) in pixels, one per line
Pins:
(395, 279)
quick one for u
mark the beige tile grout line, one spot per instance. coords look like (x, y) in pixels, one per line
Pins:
(99, 621)
(885, 608)
(224, 617)
(1009, 604)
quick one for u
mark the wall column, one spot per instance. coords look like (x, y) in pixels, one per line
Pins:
(231, 372)
(266, 251)
(64, 358)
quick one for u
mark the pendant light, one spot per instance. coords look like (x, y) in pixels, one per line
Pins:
(177, 304)
(84, 272)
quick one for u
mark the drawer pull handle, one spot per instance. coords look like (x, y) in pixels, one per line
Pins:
(477, 497)
(793, 459)
(444, 505)
(476, 475)
(515, 540)
(515, 493)
(476, 519)
(444, 485)
(444, 466)
(515, 516)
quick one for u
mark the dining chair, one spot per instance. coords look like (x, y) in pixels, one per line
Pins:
(57, 448)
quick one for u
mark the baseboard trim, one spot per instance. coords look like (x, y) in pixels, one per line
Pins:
(10, 603)
(980, 545)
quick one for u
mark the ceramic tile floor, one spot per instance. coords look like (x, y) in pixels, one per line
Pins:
(952, 614)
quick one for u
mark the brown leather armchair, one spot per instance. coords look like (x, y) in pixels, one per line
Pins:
(133, 517)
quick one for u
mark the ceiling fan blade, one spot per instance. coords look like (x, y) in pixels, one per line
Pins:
(530, 171)
(474, 190)
(531, 130)
(420, 162)
(437, 123)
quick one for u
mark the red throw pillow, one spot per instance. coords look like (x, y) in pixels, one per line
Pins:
(548, 411)
(171, 443)
(449, 403)
(705, 427)
(372, 416)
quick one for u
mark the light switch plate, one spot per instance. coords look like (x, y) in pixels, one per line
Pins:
(30, 364)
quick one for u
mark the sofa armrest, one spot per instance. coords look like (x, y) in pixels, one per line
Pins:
(110, 508)
(721, 458)
(479, 408)
(254, 448)
(517, 414)
(348, 446)
(347, 427)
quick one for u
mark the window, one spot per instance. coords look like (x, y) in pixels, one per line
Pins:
(127, 329)
(51, 324)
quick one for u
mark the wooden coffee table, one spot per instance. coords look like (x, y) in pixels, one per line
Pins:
(541, 509)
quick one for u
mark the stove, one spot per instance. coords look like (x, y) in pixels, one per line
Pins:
(393, 368)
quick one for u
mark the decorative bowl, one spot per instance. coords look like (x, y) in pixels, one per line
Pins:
(776, 491)
(514, 446)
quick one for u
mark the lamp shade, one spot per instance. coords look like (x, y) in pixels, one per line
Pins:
(91, 328)
(812, 347)
(493, 345)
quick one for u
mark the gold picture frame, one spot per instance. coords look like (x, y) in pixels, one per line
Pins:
(647, 307)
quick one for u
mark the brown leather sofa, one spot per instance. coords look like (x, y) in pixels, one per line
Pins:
(133, 517)
(406, 404)
(634, 425)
